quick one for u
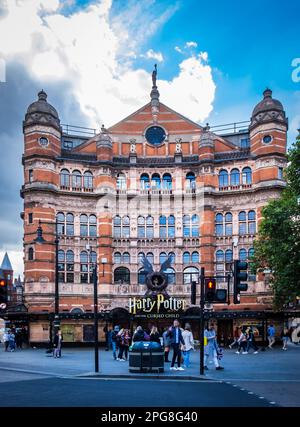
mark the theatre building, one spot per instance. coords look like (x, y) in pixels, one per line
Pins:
(155, 184)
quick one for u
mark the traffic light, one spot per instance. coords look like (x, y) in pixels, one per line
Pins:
(210, 289)
(193, 293)
(239, 275)
(3, 291)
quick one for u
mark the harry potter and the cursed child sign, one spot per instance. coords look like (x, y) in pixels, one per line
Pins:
(156, 299)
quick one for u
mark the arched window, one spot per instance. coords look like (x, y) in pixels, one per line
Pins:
(122, 275)
(60, 223)
(121, 182)
(88, 180)
(83, 225)
(70, 224)
(155, 181)
(228, 255)
(190, 226)
(61, 265)
(166, 226)
(246, 176)
(145, 181)
(141, 227)
(121, 227)
(242, 223)
(251, 222)
(125, 227)
(150, 257)
(65, 224)
(84, 267)
(250, 253)
(92, 226)
(141, 276)
(190, 274)
(167, 181)
(220, 265)
(69, 273)
(195, 257)
(251, 276)
(170, 272)
(162, 257)
(117, 258)
(228, 224)
(186, 258)
(141, 256)
(30, 254)
(126, 258)
(219, 229)
(223, 178)
(235, 177)
(149, 227)
(190, 181)
(76, 180)
(65, 178)
(172, 256)
(171, 226)
(243, 255)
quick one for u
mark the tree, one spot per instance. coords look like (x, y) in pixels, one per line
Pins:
(277, 246)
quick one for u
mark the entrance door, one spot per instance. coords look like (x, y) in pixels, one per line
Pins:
(225, 331)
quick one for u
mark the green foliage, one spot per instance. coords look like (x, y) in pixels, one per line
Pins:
(278, 244)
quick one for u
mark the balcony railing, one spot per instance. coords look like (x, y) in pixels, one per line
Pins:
(235, 187)
(77, 189)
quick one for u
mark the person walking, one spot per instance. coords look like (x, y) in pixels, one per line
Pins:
(211, 348)
(236, 336)
(251, 340)
(188, 346)
(19, 339)
(12, 341)
(167, 344)
(125, 339)
(176, 339)
(154, 335)
(285, 335)
(114, 341)
(271, 335)
(6, 340)
(242, 342)
(57, 345)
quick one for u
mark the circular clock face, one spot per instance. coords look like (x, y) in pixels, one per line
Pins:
(44, 141)
(155, 135)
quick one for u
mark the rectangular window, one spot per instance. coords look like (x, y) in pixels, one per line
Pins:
(61, 277)
(30, 218)
(171, 231)
(141, 232)
(242, 228)
(245, 142)
(93, 230)
(280, 173)
(30, 175)
(162, 232)
(70, 230)
(219, 229)
(228, 229)
(186, 231)
(252, 228)
(126, 232)
(117, 232)
(60, 229)
(83, 230)
(70, 278)
(83, 278)
(149, 232)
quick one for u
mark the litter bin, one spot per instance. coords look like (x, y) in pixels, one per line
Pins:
(146, 357)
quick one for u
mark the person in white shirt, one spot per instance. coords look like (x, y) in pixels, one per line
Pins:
(6, 341)
(188, 346)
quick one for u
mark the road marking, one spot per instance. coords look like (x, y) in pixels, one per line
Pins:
(272, 403)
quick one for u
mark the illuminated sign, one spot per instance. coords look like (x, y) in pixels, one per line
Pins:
(159, 304)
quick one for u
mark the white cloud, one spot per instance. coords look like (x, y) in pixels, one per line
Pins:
(178, 49)
(86, 48)
(191, 44)
(150, 54)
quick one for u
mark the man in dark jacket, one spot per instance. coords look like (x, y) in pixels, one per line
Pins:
(176, 340)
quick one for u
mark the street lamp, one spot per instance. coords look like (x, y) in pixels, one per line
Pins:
(95, 283)
(40, 240)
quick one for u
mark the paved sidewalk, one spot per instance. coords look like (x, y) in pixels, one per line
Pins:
(270, 365)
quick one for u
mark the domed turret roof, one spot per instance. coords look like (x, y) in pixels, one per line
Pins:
(267, 104)
(41, 112)
(268, 110)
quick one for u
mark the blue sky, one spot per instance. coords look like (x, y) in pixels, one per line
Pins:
(95, 58)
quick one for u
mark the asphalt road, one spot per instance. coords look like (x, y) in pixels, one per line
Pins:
(24, 391)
